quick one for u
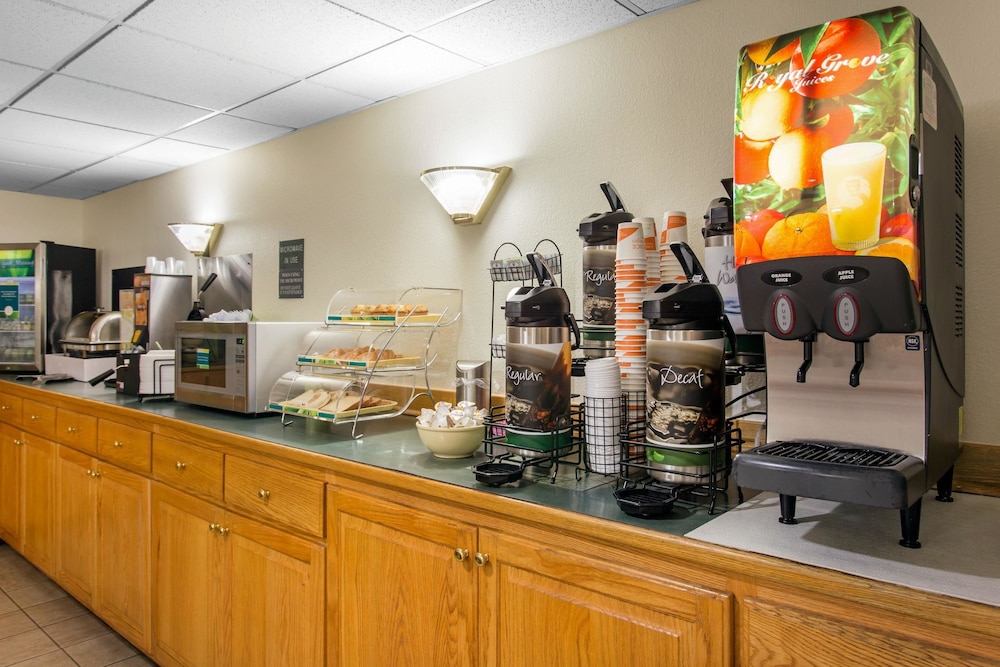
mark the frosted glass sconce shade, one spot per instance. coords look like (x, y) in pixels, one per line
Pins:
(197, 237)
(466, 193)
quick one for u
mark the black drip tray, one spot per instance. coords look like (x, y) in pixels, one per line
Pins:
(833, 453)
(497, 474)
(644, 503)
(838, 471)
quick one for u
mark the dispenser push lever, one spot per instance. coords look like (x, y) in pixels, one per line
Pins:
(859, 362)
(807, 358)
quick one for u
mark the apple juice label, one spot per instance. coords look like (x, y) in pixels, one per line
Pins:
(599, 285)
(685, 391)
(812, 107)
(538, 386)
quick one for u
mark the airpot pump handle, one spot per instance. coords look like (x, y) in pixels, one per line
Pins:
(614, 199)
(208, 281)
(571, 322)
(541, 269)
(693, 270)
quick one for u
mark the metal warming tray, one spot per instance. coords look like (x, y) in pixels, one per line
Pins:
(94, 333)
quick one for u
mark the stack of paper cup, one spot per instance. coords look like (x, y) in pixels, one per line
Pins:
(674, 228)
(630, 290)
(652, 253)
(602, 415)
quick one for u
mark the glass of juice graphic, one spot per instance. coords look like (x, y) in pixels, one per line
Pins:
(853, 176)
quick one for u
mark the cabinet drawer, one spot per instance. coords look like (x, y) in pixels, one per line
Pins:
(130, 447)
(39, 418)
(10, 410)
(187, 467)
(77, 430)
(275, 495)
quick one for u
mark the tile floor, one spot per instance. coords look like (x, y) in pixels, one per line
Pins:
(42, 626)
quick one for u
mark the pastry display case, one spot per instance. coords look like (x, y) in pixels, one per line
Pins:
(370, 359)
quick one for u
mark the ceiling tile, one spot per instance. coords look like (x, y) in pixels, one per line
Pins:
(46, 156)
(401, 67)
(112, 173)
(105, 8)
(25, 175)
(41, 34)
(55, 190)
(48, 131)
(229, 132)
(504, 29)
(156, 66)
(406, 14)
(654, 5)
(297, 37)
(300, 105)
(15, 78)
(103, 105)
(173, 152)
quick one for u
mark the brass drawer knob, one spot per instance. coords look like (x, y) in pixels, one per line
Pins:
(461, 554)
(264, 494)
(71, 429)
(180, 465)
(4, 407)
(34, 418)
(90, 473)
(223, 531)
(97, 473)
(482, 559)
(212, 527)
(117, 443)
(18, 442)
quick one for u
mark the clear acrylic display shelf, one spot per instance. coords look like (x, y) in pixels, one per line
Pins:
(371, 358)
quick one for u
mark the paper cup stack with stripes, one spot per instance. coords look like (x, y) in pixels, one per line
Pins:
(674, 228)
(630, 290)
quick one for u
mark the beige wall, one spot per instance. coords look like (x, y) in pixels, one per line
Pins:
(30, 218)
(648, 106)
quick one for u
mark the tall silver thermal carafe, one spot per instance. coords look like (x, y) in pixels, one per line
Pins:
(541, 333)
(686, 352)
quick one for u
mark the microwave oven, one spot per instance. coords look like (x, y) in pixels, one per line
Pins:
(233, 365)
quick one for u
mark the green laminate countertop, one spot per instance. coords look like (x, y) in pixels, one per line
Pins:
(393, 444)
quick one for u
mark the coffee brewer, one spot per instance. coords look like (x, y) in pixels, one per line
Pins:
(863, 309)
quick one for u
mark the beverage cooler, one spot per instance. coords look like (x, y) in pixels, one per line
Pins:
(849, 202)
(42, 286)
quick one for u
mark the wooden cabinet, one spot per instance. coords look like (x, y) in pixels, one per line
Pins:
(230, 590)
(38, 497)
(76, 430)
(793, 627)
(11, 487)
(103, 554)
(489, 598)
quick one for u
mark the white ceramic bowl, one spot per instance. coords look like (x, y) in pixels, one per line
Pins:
(452, 443)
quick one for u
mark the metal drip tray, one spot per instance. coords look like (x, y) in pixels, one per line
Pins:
(837, 471)
(832, 453)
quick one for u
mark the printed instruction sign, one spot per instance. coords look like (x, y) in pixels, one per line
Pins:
(291, 269)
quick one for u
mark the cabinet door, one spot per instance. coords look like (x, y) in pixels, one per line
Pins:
(76, 522)
(397, 593)
(189, 591)
(545, 606)
(277, 587)
(39, 500)
(11, 449)
(122, 594)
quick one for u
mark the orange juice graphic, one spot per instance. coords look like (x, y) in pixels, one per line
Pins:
(853, 174)
(824, 117)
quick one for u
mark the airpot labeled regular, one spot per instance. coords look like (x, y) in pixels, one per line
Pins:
(540, 326)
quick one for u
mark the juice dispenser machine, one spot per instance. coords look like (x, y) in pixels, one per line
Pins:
(850, 213)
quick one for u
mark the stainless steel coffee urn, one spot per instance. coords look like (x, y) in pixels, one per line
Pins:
(686, 350)
(541, 332)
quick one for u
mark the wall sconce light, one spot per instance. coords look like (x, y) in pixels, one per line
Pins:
(197, 237)
(466, 193)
